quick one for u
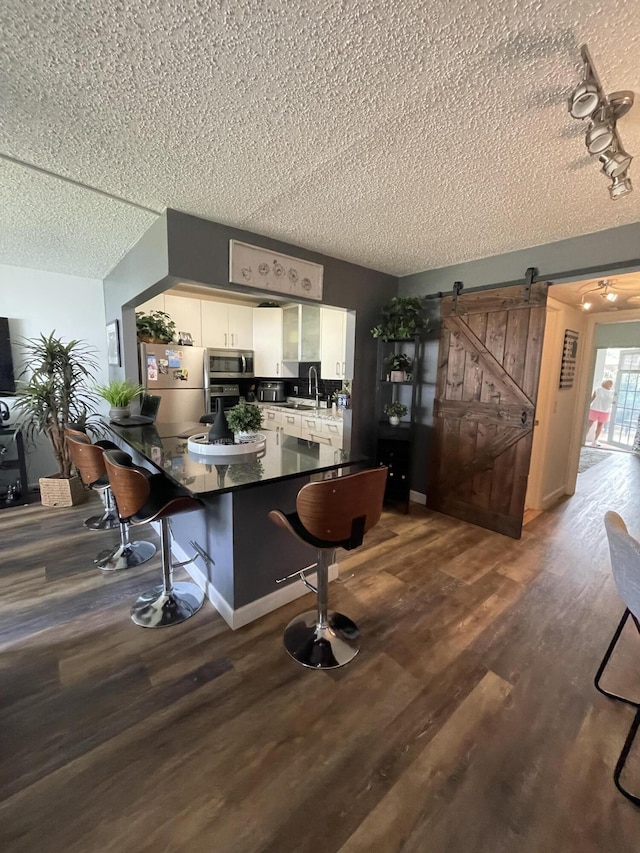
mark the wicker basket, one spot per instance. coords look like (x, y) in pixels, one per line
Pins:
(55, 491)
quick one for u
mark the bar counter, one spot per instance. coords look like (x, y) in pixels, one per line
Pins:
(240, 553)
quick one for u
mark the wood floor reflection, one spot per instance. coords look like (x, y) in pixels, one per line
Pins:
(467, 723)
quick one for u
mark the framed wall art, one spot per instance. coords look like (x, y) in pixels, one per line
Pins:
(113, 344)
(271, 271)
(569, 360)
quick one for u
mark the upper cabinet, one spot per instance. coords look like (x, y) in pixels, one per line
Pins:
(267, 342)
(301, 333)
(333, 336)
(240, 326)
(227, 326)
(185, 313)
(154, 304)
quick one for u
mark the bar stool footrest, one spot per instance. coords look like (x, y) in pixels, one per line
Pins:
(159, 609)
(320, 647)
(107, 521)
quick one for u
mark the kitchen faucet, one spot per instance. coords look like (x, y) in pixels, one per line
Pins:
(315, 373)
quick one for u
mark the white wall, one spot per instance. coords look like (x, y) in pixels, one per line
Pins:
(36, 301)
(558, 411)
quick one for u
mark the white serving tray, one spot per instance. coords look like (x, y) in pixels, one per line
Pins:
(200, 444)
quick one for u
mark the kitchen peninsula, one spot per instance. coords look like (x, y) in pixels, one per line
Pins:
(239, 553)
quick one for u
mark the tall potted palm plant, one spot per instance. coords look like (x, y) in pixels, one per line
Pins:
(53, 391)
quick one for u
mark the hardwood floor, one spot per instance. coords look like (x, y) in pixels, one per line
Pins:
(468, 722)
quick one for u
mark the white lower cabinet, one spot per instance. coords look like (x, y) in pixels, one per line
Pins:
(309, 427)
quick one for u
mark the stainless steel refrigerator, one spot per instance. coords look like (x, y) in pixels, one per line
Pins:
(178, 375)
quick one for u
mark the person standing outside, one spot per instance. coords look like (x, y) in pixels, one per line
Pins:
(600, 408)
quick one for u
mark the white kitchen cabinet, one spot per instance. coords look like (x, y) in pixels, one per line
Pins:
(271, 419)
(241, 326)
(227, 326)
(301, 333)
(156, 303)
(333, 343)
(267, 342)
(185, 313)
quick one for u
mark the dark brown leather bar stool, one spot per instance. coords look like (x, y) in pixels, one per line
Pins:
(89, 460)
(142, 497)
(109, 518)
(330, 514)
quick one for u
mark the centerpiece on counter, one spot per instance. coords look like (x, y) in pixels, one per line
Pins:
(244, 421)
(233, 432)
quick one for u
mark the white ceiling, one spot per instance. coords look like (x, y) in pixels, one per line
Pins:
(401, 135)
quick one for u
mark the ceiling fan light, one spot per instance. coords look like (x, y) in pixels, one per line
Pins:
(585, 306)
(584, 100)
(611, 296)
(620, 187)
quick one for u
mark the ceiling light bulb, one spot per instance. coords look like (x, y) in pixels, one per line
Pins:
(615, 163)
(620, 187)
(584, 100)
(611, 296)
(586, 306)
(600, 135)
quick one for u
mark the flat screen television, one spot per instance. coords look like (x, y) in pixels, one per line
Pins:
(7, 378)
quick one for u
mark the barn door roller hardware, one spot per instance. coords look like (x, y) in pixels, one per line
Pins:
(457, 290)
(530, 277)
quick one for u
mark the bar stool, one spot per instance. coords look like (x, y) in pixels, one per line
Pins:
(330, 514)
(142, 497)
(89, 460)
(109, 519)
(625, 567)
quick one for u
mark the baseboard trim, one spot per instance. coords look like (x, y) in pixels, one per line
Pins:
(553, 497)
(418, 497)
(255, 609)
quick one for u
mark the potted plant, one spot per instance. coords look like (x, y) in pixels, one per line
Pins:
(395, 411)
(156, 327)
(244, 420)
(54, 391)
(402, 318)
(398, 365)
(119, 394)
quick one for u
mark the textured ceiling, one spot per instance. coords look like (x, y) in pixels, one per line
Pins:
(401, 135)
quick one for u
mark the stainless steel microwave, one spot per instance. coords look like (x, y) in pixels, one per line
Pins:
(230, 363)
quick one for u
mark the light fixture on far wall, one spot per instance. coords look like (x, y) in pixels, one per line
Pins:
(588, 102)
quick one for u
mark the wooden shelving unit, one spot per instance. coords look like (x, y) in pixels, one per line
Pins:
(394, 443)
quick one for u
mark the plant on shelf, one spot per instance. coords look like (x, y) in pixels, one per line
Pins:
(402, 318)
(54, 391)
(400, 364)
(156, 327)
(244, 420)
(119, 394)
(394, 412)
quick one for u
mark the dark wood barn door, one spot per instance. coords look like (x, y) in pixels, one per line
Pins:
(487, 385)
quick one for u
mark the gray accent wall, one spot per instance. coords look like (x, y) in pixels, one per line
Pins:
(617, 335)
(184, 248)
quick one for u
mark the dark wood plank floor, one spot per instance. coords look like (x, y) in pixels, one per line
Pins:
(468, 722)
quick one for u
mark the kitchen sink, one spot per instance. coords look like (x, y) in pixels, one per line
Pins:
(299, 406)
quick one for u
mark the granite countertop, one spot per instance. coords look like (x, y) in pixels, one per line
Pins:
(322, 413)
(283, 457)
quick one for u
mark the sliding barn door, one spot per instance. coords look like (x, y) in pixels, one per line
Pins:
(487, 384)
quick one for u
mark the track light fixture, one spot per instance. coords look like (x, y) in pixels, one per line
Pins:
(588, 102)
(604, 288)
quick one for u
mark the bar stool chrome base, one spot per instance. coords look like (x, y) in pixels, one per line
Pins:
(125, 556)
(320, 646)
(159, 608)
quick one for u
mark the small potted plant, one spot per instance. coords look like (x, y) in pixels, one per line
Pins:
(244, 421)
(156, 327)
(119, 394)
(398, 365)
(402, 318)
(394, 412)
